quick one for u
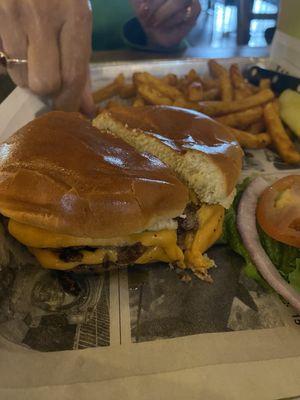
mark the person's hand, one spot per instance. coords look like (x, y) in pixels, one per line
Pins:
(55, 37)
(166, 22)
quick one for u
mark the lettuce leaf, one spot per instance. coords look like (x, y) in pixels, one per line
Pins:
(282, 256)
(285, 258)
(232, 237)
(294, 276)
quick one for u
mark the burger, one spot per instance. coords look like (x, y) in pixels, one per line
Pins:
(81, 198)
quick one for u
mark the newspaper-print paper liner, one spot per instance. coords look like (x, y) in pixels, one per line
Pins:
(204, 327)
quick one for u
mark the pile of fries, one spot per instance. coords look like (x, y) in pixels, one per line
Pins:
(250, 113)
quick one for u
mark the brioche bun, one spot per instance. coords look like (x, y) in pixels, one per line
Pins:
(61, 174)
(202, 153)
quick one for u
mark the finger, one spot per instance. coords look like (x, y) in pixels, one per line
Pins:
(14, 45)
(87, 105)
(75, 47)
(44, 76)
(188, 15)
(183, 29)
(172, 36)
(145, 9)
(168, 9)
(175, 20)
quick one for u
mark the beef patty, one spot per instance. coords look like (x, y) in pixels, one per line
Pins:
(126, 255)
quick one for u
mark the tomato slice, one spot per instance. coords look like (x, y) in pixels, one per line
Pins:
(278, 210)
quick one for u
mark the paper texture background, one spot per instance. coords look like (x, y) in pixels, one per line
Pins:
(285, 53)
(143, 333)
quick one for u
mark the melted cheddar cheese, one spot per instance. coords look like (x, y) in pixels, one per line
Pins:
(154, 254)
(161, 245)
(210, 219)
(50, 259)
(32, 236)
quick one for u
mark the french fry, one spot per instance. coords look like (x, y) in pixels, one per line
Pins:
(288, 130)
(183, 103)
(195, 91)
(250, 113)
(250, 141)
(254, 89)
(209, 83)
(109, 90)
(280, 138)
(192, 76)
(218, 108)
(112, 104)
(127, 91)
(220, 73)
(238, 80)
(138, 101)
(239, 94)
(241, 88)
(160, 86)
(171, 79)
(276, 106)
(216, 69)
(242, 119)
(257, 127)
(153, 96)
(226, 88)
(184, 82)
(264, 84)
(211, 94)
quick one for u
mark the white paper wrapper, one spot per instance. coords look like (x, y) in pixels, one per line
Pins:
(143, 333)
(285, 53)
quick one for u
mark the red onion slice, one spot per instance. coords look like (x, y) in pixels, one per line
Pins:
(246, 224)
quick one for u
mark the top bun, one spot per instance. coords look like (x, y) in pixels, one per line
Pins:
(200, 150)
(61, 174)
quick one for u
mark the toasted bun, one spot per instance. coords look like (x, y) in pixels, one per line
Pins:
(61, 174)
(200, 150)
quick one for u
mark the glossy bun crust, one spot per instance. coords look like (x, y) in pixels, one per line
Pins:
(61, 174)
(185, 131)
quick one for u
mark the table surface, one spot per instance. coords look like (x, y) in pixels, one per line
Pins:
(6, 86)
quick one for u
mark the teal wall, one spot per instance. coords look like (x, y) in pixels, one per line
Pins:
(109, 17)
